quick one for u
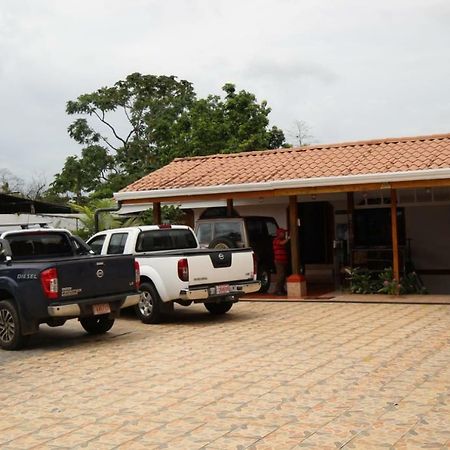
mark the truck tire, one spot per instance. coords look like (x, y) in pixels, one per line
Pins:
(222, 243)
(218, 308)
(264, 276)
(11, 337)
(97, 324)
(149, 307)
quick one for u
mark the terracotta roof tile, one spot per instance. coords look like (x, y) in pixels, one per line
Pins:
(330, 160)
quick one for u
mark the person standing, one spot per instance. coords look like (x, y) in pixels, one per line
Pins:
(281, 260)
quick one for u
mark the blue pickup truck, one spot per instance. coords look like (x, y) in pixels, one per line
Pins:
(50, 276)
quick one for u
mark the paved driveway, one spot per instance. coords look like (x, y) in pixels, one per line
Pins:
(266, 376)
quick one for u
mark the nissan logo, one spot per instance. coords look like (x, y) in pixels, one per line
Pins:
(100, 273)
(221, 256)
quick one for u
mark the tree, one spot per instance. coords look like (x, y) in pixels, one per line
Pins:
(121, 130)
(145, 121)
(302, 133)
(35, 189)
(93, 169)
(9, 183)
(237, 123)
(87, 218)
(108, 219)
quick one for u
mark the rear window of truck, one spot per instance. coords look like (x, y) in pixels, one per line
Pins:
(38, 245)
(168, 239)
(117, 243)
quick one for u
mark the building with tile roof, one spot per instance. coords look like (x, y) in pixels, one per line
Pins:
(386, 160)
(410, 174)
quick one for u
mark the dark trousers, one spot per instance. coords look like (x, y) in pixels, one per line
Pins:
(281, 269)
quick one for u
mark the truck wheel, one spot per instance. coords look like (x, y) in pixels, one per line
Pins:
(222, 244)
(149, 307)
(264, 277)
(97, 324)
(218, 308)
(11, 337)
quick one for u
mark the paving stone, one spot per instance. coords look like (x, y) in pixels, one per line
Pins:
(265, 376)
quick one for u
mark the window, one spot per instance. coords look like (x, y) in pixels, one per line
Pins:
(96, 244)
(216, 212)
(168, 239)
(261, 227)
(204, 233)
(372, 227)
(116, 244)
(256, 228)
(229, 230)
(272, 227)
(24, 246)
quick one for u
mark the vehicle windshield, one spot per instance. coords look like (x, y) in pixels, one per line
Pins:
(38, 245)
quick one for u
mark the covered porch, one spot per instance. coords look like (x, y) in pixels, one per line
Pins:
(335, 207)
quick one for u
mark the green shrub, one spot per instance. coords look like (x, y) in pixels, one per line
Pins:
(388, 284)
(362, 281)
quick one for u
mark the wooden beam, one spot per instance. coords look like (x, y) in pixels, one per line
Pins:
(229, 207)
(156, 213)
(293, 191)
(293, 231)
(394, 228)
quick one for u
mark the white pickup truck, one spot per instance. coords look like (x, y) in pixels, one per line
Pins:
(175, 269)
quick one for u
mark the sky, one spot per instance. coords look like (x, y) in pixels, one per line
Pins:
(350, 69)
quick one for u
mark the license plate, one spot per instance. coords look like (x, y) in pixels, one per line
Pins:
(102, 308)
(223, 289)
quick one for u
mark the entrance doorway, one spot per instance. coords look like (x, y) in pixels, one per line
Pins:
(316, 232)
(316, 235)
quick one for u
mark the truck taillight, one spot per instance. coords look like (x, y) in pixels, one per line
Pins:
(255, 266)
(183, 269)
(137, 275)
(49, 281)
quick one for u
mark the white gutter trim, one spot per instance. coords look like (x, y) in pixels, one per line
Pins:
(414, 175)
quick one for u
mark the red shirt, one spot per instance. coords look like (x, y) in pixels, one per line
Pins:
(280, 253)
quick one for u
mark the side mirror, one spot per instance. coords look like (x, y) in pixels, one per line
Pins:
(5, 252)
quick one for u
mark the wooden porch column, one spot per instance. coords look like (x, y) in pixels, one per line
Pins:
(156, 213)
(296, 283)
(229, 207)
(350, 229)
(394, 228)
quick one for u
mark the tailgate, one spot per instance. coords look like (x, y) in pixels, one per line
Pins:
(95, 276)
(220, 266)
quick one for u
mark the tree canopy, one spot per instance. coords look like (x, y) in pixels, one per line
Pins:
(145, 121)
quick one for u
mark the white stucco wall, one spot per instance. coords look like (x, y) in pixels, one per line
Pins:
(276, 211)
